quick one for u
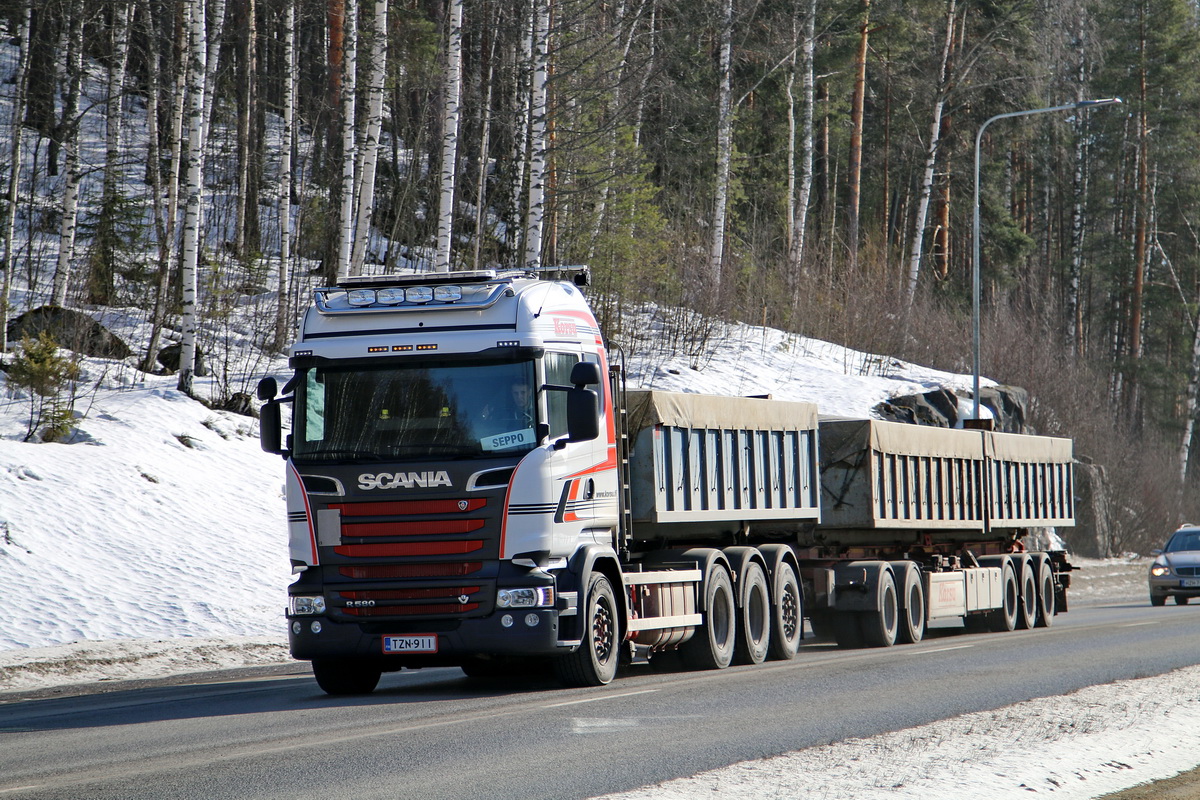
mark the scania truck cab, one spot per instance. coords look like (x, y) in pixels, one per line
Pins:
(450, 471)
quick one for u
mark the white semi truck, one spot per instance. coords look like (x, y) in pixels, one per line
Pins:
(468, 483)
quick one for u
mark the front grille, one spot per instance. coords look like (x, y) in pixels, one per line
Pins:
(380, 572)
(1188, 572)
(406, 559)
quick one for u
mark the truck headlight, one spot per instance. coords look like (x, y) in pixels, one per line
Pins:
(306, 605)
(529, 597)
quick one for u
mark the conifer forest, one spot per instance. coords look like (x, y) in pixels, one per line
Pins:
(808, 165)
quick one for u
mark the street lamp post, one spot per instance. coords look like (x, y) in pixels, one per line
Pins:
(975, 291)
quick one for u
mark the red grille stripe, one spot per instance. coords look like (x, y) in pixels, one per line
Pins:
(425, 528)
(399, 611)
(400, 507)
(452, 570)
(407, 549)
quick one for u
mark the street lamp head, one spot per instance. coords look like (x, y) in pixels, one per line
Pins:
(1107, 101)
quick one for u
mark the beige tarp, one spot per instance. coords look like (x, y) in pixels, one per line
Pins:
(1029, 449)
(680, 410)
(840, 438)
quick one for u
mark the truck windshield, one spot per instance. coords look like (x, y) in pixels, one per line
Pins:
(424, 409)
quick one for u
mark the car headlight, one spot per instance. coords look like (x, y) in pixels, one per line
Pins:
(526, 597)
(306, 605)
(1159, 570)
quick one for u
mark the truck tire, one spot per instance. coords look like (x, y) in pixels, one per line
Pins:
(787, 614)
(1027, 604)
(880, 627)
(1046, 594)
(341, 676)
(712, 645)
(912, 616)
(754, 616)
(594, 662)
(1005, 617)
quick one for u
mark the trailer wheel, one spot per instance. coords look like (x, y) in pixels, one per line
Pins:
(1046, 595)
(339, 676)
(712, 645)
(1005, 617)
(1027, 605)
(754, 616)
(912, 620)
(787, 614)
(594, 663)
(881, 626)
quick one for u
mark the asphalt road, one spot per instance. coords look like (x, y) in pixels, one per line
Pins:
(436, 734)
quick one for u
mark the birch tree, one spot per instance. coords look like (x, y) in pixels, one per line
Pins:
(931, 154)
(348, 89)
(724, 144)
(14, 172)
(182, 33)
(73, 173)
(197, 112)
(371, 144)
(534, 215)
(451, 91)
(798, 213)
(291, 68)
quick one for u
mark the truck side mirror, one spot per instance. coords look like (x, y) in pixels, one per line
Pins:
(270, 424)
(583, 413)
(267, 389)
(585, 373)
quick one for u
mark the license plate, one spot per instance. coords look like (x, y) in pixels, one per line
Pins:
(1190, 583)
(420, 643)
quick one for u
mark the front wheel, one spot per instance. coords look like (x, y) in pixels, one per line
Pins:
(1158, 599)
(340, 676)
(1181, 600)
(594, 663)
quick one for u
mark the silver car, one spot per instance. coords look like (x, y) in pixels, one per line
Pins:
(1176, 568)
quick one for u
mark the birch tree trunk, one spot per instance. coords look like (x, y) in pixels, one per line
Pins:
(931, 153)
(724, 145)
(452, 90)
(537, 135)
(371, 144)
(1193, 389)
(349, 141)
(246, 205)
(70, 123)
(485, 136)
(14, 173)
(183, 24)
(197, 114)
(800, 216)
(285, 175)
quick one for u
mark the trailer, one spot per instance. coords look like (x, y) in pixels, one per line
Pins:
(469, 483)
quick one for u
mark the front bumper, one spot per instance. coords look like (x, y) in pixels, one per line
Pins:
(1171, 585)
(456, 640)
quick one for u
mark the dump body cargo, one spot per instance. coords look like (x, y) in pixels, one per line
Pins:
(468, 483)
(705, 465)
